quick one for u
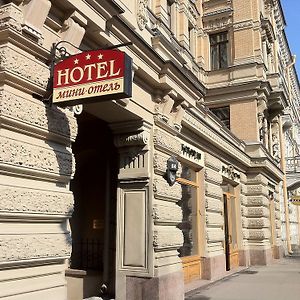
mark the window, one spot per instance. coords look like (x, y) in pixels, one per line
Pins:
(223, 113)
(188, 203)
(169, 13)
(219, 50)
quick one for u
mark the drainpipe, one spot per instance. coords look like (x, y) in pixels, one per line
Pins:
(284, 185)
(283, 164)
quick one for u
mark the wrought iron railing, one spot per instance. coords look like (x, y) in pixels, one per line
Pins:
(293, 164)
(87, 254)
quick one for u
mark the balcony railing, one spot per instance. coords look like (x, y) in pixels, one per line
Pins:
(293, 164)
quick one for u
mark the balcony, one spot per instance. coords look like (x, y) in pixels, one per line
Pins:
(293, 172)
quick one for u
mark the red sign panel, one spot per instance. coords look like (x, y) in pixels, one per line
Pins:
(92, 76)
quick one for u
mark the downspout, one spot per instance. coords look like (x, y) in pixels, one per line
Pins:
(283, 164)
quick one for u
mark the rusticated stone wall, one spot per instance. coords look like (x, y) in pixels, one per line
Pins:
(36, 164)
(167, 214)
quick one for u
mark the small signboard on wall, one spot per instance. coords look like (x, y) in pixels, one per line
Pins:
(92, 76)
(295, 200)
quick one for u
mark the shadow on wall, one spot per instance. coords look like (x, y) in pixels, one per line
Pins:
(61, 163)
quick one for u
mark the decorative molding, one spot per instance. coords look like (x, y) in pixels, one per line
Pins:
(19, 248)
(167, 237)
(165, 142)
(34, 113)
(215, 24)
(21, 200)
(23, 155)
(132, 139)
(11, 16)
(21, 66)
(163, 191)
(243, 25)
(228, 171)
(142, 13)
(166, 212)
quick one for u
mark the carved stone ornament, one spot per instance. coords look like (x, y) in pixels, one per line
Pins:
(142, 13)
(34, 113)
(11, 16)
(21, 66)
(132, 139)
(18, 248)
(20, 154)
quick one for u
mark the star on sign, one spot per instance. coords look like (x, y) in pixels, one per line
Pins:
(88, 57)
(76, 61)
(100, 56)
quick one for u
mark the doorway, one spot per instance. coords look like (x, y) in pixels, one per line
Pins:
(230, 230)
(93, 223)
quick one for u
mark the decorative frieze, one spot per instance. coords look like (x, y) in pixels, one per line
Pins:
(21, 200)
(11, 16)
(18, 248)
(35, 114)
(163, 191)
(246, 24)
(167, 237)
(23, 67)
(166, 212)
(257, 179)
(22, 155)
(166, 142)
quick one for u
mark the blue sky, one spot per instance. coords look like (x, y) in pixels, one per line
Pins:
(292, 15)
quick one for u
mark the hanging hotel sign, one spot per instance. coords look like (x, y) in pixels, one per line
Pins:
(295, 200)
(92, 76)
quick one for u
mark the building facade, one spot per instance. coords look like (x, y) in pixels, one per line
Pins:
(85, 205)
